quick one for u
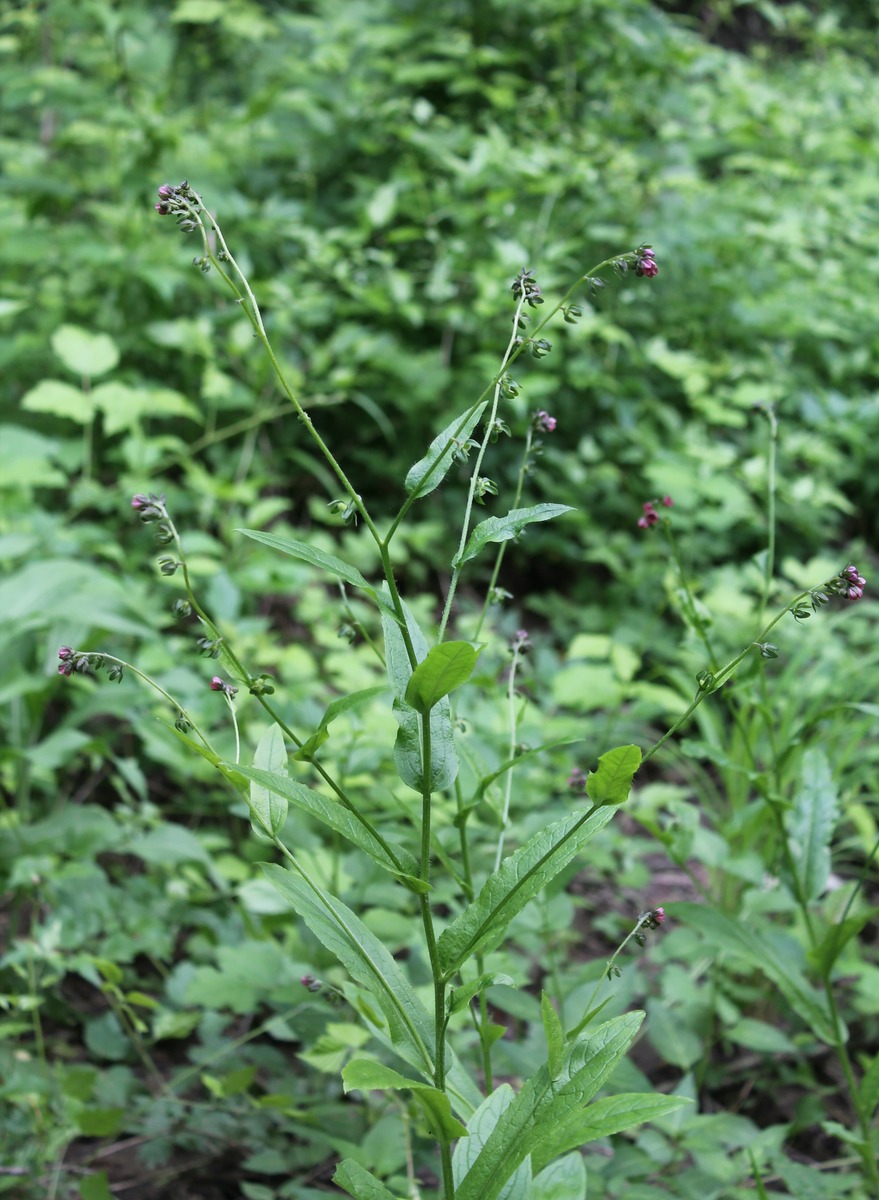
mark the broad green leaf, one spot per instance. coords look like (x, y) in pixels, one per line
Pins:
(611, 783)
(445, 668)
(60, 400)
(429, 472)
(562, 1132)
(564, 1179)
(364, 1075)
(460, 997)
(518, 879)
(83, 352)
(268, 808)
(542, 1102)
(480, 1127)
(326, 562)
(810, 823)
(555, 1035)
(504, 529)
(360, 1183)
(333, 814)
(724, 933)
(408, 747)
(335, 709)
(367, 961)
(95, 1187)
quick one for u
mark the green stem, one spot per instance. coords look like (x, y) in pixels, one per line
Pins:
(439, 983)
(606, 974)
(770, 501)
(720, 677)
(513, 726)
(502, 548)
(475, 476)
(495, 382)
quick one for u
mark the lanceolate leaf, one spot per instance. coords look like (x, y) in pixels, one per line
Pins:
(611, 783)
(367, 961)
(429, 472)
(267, 806)
(542, 1102)
(564, 1179)
(562, 1131)
(343, 704)
(333, 814)
(504, 529)
(326, 562)
(445, 668)
(365, 1074)
(360, 1183)
(811, 823)
(724, 933)
(519, 878)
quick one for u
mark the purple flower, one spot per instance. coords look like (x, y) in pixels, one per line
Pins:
(140, 501)
(66, 652)
(650, 517)
(854, 583)
(544, 422)
(577, 780)
(645, 262)
(219, 685)
(667, 501)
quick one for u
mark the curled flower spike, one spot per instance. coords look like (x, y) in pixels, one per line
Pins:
(644, 262)
(653, 918)
(311, 982)
(853, 583)
(543, 422)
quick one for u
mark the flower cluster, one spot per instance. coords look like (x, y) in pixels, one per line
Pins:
(543, 422)
(149, 508)
(526, 285)
(645, 262)
(175, 201)
(650, 515)
(71, 660)
(853, 584)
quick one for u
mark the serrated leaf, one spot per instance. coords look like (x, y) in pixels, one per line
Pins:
(335, 709)
(360, 1183)
(542, 1101)
(724, 933)
(429, 472)
(612, 782)
(333, 814)
(326, 562)
(518, 879)
(364, 1074)
(408, 755)
(83, 352)
(445, 668)
(810, 823)
(60, 400)
(504, 529)
(268, 807)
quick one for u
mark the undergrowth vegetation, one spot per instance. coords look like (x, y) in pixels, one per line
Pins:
(458, 777)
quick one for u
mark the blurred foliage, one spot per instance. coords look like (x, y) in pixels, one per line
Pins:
(383, 169)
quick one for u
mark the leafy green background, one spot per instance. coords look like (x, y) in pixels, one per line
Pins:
(383, 169)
